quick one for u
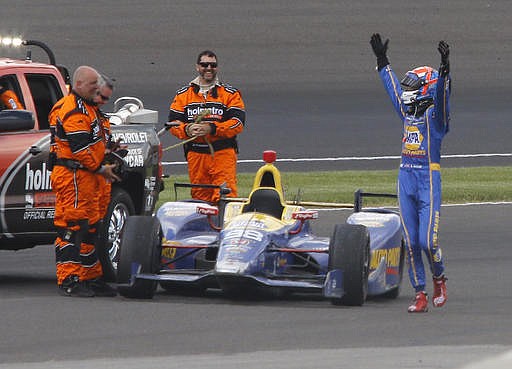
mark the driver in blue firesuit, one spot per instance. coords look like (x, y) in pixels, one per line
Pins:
(421, 99)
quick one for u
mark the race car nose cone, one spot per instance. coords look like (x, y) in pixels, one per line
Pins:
(269, 156)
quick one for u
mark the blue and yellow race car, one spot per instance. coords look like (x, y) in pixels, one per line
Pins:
(262, 242)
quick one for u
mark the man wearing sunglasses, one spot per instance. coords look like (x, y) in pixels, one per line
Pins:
(421, 99)
(105, 91)
(209, 115)
(79, 148)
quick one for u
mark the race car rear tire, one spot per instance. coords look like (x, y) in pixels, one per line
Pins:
(395, 292)
(120, 207)
(349, 250)
(141, 243)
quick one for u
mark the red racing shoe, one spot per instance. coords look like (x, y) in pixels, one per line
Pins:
(440, 295)
(420, 303)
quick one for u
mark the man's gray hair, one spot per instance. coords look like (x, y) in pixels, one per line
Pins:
(106, 81)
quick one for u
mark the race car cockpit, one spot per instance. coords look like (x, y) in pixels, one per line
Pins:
(265, 200)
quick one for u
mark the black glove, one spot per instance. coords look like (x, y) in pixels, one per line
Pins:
(444, 50)
(117, 158)
(113, 145)
(379, 49)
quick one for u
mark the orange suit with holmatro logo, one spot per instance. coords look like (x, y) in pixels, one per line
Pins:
(79, 144)
(212, 158)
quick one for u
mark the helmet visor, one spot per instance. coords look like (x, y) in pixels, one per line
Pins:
(411, 82)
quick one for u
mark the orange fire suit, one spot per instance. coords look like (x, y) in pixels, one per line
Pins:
(105, 187)
(212, 158)
(9, 99)
(79, 145)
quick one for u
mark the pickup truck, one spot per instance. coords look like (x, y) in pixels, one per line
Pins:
(27, 202)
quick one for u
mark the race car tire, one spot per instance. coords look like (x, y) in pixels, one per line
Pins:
(141, 243)
(120, 207)
(395, 292)
(349, 250)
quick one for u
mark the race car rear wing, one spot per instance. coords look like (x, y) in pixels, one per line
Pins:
(357, 205)
(359, 194)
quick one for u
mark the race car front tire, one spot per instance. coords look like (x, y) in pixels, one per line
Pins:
(349, 250)
(141, 243)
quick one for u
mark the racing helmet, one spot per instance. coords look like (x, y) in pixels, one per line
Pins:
(418, 86)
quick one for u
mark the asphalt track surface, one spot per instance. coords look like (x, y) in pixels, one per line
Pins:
(308, 78)
(305, 68)
(297, 332)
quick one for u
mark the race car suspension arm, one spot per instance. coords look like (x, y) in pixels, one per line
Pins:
(194, 249)
(307, 260)
(301, 251)
(297, 254)
(181, 257)
(174, 246)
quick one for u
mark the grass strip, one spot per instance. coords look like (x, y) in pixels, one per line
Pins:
(460, 185)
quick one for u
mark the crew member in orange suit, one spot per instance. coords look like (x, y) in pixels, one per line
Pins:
(214, 114)
(9, 100)
(105, 91)
(80, 149)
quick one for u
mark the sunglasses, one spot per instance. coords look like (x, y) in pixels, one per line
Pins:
(206, 64)
(103, 97)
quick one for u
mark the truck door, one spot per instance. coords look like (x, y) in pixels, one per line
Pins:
(27, 202)
(45, 91)
(26, 199)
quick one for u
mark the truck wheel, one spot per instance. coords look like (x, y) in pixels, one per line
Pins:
(141, 243)
(120, 207)
(395, 292)
(349, 250)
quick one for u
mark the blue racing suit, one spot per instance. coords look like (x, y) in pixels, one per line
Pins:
(419, 177)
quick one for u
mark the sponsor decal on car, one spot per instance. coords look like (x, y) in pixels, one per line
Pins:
(391, 257)
(245, 233)
(41, 200)
(38, 214)
(248, 224)
(37, 179)
(130, 137)
(169, 252)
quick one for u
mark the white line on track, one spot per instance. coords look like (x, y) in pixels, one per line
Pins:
(356, 158)
(443, 205)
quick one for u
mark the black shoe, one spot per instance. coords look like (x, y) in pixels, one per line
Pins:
(72, 287)
(101, 288)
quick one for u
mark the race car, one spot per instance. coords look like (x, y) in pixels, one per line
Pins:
(262, 243)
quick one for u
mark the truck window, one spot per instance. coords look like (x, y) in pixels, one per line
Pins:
(46, 92)
(10, 82)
